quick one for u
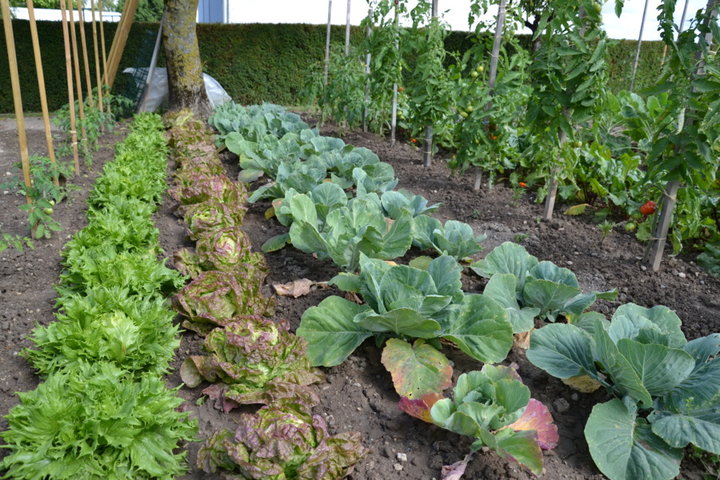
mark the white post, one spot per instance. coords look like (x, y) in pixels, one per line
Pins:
(637, 50)
(327, 42)
(347, 29)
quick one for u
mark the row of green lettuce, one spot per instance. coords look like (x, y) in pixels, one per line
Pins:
(667, 390)
(103, 410)
(249, 358)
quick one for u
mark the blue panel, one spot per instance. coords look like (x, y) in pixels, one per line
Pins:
(211, 11)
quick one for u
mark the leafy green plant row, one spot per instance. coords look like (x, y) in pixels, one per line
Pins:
(250, 359)
(103, 411)
(338, 200)
(424, 300)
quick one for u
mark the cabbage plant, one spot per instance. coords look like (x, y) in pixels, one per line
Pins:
(666, 389)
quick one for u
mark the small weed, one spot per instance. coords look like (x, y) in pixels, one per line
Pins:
(606, 228)
(520, 237)
(15, 241)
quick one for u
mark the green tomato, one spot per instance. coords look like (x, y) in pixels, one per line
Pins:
(463, 114)
(48, 211)
(469, 109)
(474, 74)
(630, 227)
(480, 69)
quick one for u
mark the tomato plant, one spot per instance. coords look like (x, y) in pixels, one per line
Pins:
(568, 75)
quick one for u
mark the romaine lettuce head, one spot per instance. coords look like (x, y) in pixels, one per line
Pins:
(215, 297)
(247, 355)
(279, 444)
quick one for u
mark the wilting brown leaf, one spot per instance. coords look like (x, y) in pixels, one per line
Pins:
(295, 289)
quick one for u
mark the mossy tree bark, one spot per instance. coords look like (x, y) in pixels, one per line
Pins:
(182, 57)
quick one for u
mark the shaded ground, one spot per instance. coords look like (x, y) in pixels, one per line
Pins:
(358, 395)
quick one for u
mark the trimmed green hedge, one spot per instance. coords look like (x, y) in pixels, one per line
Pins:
(254, 62)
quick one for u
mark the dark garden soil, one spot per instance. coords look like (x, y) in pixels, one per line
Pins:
(358, 395)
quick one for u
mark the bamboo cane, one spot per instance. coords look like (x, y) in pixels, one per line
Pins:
(119, 41)
(17, 96)
(71, 95)
(96, 55)
(394, 108)
(86, 62)
(427, 146)
(656, 247)
(494, 59)
(76, 65)
(41, 87)
(102, 47)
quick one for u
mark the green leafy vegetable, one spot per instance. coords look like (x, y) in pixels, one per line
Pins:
(667, 388)
(409, 302)
(541, 288)
(97, 422)
(107, 325)
(456, 239)
(488, 405)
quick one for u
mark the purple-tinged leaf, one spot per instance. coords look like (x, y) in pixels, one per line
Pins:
(420, 407)
(537, 418)
(456, 470)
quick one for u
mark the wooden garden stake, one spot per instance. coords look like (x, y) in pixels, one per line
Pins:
(41, 86)
(637, 50)
(119, 41)
(76, 64)
(393, 115)
(327, 43)
(17, 96)
(656, 247)
(102, 47)
(98, 79)
(86, 62)
(494, 58)
(427, 145)
(368, 59)
(71, 95)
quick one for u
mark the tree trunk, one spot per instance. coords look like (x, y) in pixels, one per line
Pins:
(182, 57)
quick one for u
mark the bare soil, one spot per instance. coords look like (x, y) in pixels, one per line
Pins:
(359, 395)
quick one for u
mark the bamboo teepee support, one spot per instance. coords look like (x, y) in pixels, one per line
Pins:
(96, 54)
(76, 65)
(86, 62)
(17, 96)
(103, 54)
(41, 86)
(71, 96)
(119, 41)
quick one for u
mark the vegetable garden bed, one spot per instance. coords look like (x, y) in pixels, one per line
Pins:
(358, 395)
